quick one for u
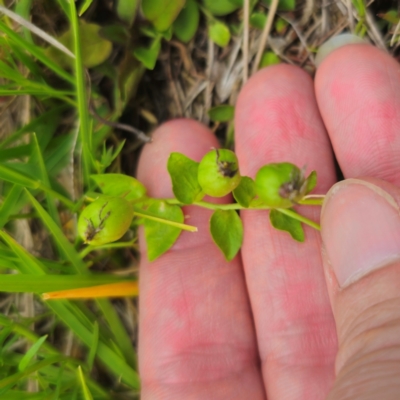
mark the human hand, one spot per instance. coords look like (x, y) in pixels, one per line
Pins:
(262, 325)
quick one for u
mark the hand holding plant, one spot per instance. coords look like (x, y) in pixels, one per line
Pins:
(262, 324)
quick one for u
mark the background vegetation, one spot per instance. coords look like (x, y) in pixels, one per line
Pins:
(82, 85)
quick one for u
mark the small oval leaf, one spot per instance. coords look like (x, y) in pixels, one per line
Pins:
(219, 33)
(258, 20)
(120, 185)
(95, 49)
(160, 237)
(185, 26)
(162, 13)
(223, 113)
(126, 10)
(183, 172)
(245, 192)
(269, 58)
(285, 223)
(227, 232)
(220, 7)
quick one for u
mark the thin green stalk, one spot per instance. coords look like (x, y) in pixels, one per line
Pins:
(301, 218)
(88, 249)
(184, 227)
(83, 104)
(312, 200)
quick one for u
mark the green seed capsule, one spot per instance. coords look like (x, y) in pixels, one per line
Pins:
(105, 220)
(280, 185)
(218, 172)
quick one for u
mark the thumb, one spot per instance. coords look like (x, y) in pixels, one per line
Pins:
(360, 227)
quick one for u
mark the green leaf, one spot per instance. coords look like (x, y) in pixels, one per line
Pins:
(115, 33)
(185, 26)
(160, 237)
(223, 113)
(120, 185)
(86, 392)
(284, 5)
(285, 223)
(95, 49)
(269, 58)
(258, 20)
(13, 176)
(183, 172)
(126, 10)
(26, 359)
(30, 283)
(63, 244)
(162, 13)
(93, 347)
(220, 7)
(311, 181)
(245, 192)
(392, 16)
(148, 56)
(36, 51)
(219, 33)
(227, 232)
(85, 5)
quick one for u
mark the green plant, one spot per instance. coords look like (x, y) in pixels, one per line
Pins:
(278, 187)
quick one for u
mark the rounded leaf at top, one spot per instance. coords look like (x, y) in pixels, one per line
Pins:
(120, 185)
(185, 26)
(222, 113)
(227, 232)
(221, 7)
(219, 33)
(162, 13)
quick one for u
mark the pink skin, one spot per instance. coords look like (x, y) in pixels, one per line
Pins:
(262, 326)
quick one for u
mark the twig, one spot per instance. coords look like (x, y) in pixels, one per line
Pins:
(396, 31)
(350, 14)
(210, 84)
(264, 35)
(138, 133)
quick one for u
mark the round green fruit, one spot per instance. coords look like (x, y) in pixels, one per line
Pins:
(105, 220)
(218, 172)
(280, 185)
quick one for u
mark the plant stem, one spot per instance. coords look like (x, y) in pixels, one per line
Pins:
(184, 227)
(301, 218)
(313, 200)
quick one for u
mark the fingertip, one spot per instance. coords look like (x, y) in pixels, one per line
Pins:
(350, 62)
(180, 135)
(277, 119)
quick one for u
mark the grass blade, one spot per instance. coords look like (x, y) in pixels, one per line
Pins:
(37, 52)
(83, 104)
(65, 246)
(26, 359)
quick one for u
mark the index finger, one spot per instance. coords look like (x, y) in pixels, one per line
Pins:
(195, 330)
